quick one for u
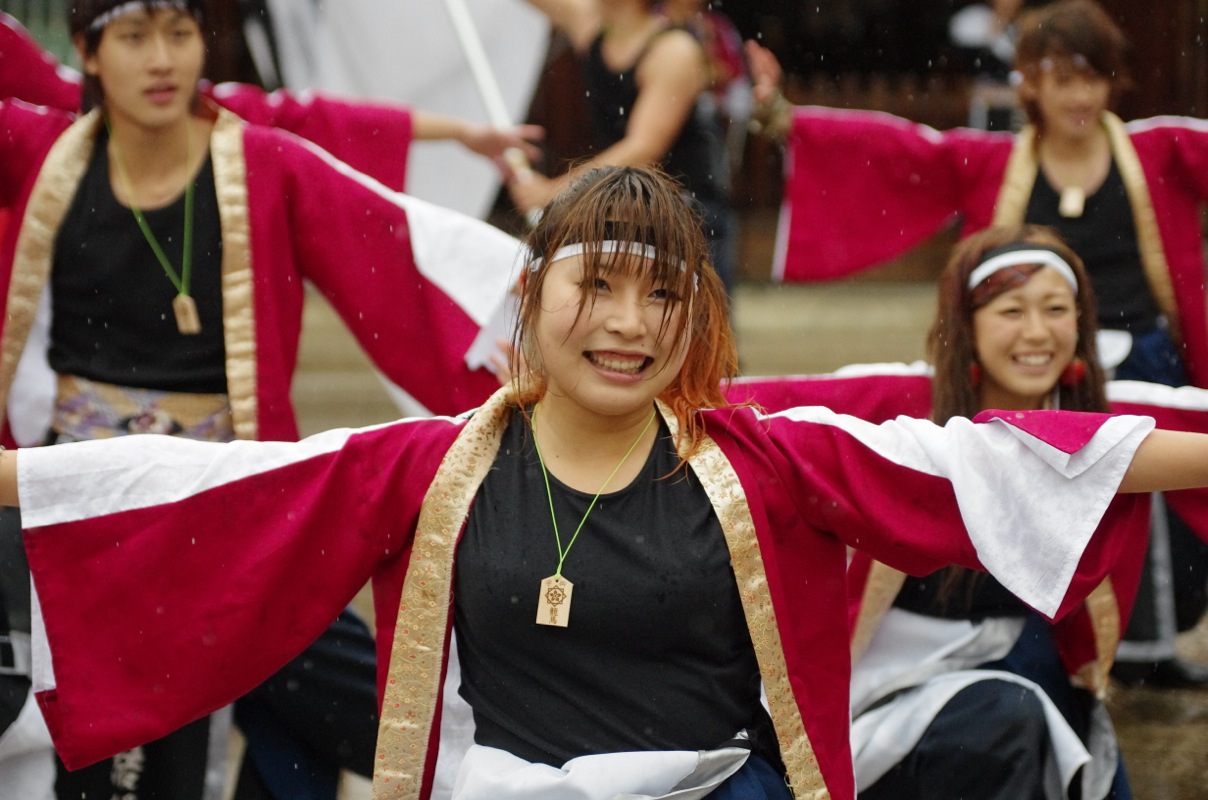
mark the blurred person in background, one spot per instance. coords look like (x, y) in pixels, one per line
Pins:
(865, 187)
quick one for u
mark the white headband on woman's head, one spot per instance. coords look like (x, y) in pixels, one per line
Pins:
(1016, 258)
(122, 9)
(609, 247)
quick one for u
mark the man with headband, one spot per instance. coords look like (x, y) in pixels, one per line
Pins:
(155, 260)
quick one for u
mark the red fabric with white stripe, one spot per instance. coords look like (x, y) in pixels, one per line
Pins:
(354, 243)
(201, 604)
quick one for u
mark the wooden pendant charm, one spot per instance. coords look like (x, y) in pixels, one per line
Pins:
(553, 604)
(187, 321)
(1072, 203)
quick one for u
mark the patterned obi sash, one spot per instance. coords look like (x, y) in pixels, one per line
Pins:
(86, 410)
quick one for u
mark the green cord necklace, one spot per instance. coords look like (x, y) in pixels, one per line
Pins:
(183, 306)
(553, 602)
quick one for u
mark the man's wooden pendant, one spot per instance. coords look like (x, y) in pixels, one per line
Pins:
(553, 604)
(187, 321)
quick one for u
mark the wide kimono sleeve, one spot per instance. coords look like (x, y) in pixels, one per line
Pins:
(1021, 495)
(29, 73)
(371, 137)
(414, 282)
(1173, 152)
(864, 187)
(172, 576)
(872, 392)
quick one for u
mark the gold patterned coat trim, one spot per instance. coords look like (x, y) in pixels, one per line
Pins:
(880, 589)
(729, 500)
(51, 196)
(1104, 611)
(238, 309)
(1017, 180)
(1020, 177)
(1149, 238)
(417, 657)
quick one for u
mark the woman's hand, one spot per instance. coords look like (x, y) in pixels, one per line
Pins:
(766, 73)
(530, 192)
(497, 142)
(773, 113)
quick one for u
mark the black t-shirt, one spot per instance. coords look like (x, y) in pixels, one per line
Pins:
(656, 656)
(112, 318)
(1105, 238)
(697, 156)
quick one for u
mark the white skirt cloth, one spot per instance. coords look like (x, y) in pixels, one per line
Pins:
(488, 773)
(927, 661)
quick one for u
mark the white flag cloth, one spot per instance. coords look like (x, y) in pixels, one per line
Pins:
(409, 52)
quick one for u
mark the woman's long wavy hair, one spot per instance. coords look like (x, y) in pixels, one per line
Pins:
(637, 204)
(952, 350)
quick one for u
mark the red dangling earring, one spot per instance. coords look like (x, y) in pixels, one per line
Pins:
(1073, 373)
(975, 374)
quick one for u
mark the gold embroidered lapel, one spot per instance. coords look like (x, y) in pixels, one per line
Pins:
(729, 501)
(1017, 180)
(418, 654)
(53, 191)
(882, 587)
(1104, 611)
(238, 308)
(1149, 239)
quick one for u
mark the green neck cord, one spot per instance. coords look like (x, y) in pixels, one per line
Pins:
(181, 282)
(550, 495)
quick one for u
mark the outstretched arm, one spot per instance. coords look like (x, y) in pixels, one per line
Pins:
(1168, 460)
(485, 140)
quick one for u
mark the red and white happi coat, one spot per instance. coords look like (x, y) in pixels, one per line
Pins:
(232, 558)
(863, 187)
(413, 282)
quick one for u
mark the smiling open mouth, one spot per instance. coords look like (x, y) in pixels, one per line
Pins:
(625, 366)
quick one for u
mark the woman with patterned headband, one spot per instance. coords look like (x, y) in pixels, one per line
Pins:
(153, 267)
(959, 689)
(619, 559)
